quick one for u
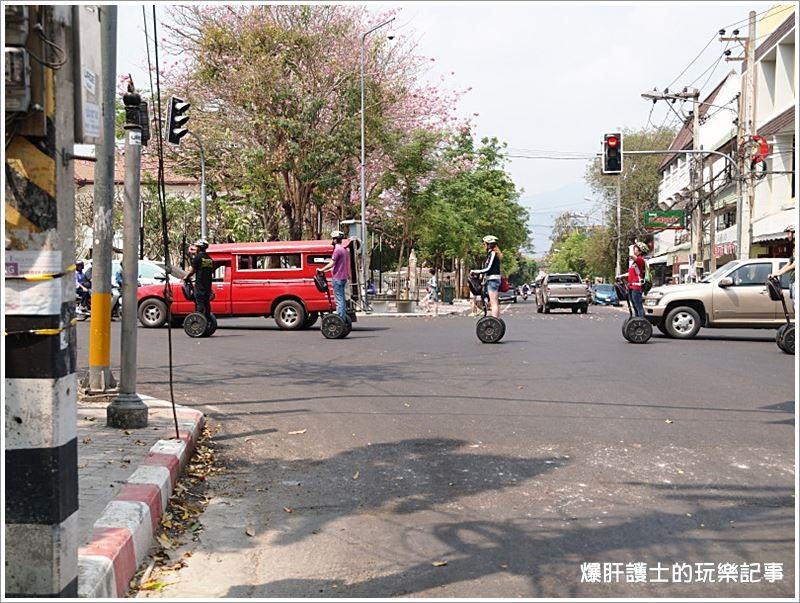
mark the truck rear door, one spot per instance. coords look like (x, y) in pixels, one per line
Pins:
(221, 286)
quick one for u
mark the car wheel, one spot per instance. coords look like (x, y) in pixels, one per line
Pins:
(546, 309)
(539, 309)
(311, 320)
(290, 315)
(574, 310)
(152, 313)
(683, 322)
(584, 309)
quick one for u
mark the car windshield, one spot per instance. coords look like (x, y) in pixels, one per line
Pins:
(604, 288)
(719, 272)
(563, 278)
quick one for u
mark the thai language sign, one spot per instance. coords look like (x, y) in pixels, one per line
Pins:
(664, 220)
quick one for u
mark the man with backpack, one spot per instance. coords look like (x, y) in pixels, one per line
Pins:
(637, 278)
(202, 268)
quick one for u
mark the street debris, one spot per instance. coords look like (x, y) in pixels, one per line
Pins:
(355, 475)
(299, 432)
(250, 531)
(439, 563)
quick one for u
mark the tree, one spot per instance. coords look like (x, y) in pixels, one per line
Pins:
(275, 93)
(570, 256)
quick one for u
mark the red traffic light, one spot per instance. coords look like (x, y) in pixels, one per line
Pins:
(612, 141)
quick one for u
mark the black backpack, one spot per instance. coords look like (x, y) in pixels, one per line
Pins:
(320, 282)
(774, 288)
(188, 290)
(621, 289)
(474, 285)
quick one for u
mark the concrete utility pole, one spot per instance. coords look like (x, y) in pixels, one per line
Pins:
(745, 224)
(127, 411)
(41, 447)
(697, 189)
(746, 100)
(100, 378)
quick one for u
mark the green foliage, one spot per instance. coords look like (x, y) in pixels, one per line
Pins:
(571, 254)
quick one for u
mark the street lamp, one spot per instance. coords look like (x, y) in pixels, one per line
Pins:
(363, 167)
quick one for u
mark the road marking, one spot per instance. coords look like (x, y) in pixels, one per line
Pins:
(215, 409)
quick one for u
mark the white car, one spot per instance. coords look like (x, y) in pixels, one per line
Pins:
(150, 273)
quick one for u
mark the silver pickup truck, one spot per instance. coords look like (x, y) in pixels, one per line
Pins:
(563, 290)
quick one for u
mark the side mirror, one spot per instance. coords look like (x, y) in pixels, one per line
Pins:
(725, 282)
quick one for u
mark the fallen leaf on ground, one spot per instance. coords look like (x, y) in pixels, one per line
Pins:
(287, 509)
(406, 404)
(126, 432)
(250, 531)
(439, 563)
(165, 541)
(87, 439)
(153, 585)
(299, 432)
(680, 471)
(356, 474)
(90, 418)
(139, 443)
(668, 421)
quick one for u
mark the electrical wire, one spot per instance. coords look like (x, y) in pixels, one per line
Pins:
(162, 197)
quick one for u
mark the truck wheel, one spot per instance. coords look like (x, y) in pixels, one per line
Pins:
(682, 322)
(575, 310)
(660, 326)
(584, 309)
(546, 309)
(290, 315)
(311, 320)
(152, 313)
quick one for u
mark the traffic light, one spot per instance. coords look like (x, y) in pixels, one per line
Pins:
(176, 119)
(612, 153)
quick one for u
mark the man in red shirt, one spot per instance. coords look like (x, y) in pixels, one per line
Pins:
(636, 277)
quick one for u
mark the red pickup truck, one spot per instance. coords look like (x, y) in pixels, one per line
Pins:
(271, 279)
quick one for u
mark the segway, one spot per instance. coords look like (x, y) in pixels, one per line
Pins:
(197, 324)
(333, 326)
(488, 329)
(785, 335)
(635, 329)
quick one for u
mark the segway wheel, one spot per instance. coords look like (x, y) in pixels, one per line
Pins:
(779, 335)
(503, 328)
(788, 340)
(333, 327)
(348, 326)
(490, 329)
(211, 327)
(195, 324)
(637, 329)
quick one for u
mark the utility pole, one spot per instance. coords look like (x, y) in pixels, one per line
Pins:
(619, 224)
(41, 446)
(127, 411)
(203, 218)
(100, 378)
(745, 127)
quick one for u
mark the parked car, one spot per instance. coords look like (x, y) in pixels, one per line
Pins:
(563, 290)
(271, 279)
(733, 296)
(509, 297)
(150, 273)
(604, 294)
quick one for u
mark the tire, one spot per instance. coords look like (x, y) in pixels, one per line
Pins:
(546, 309)
(584, 309)
(779, 335)
(660, 326)
(211, 327)
(575, 310)
(348, 327)
(311, 320)
(637, 329)
(152, 313)
(290, 315)
(539, 309)
(682, 322)
(195, 325)
(490, 329)
(333, 327)
(788, 340)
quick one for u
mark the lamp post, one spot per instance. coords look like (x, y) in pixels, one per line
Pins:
(363, 166)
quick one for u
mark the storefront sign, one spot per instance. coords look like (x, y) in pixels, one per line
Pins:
(721, 249)
(664, 220)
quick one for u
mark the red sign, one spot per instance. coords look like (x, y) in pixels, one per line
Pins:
(725, 249)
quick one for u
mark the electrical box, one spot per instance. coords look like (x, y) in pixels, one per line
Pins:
(88, 74)
(16, 25)
(17, 80)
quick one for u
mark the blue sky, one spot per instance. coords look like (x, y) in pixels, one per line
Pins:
(546, 76)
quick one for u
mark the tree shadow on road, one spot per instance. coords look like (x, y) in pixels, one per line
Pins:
(727, 523)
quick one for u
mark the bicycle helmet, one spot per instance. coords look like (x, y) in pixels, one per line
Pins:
(790, 228)
(490, 239)
(201, 243)
(337, 234)
(642, 247)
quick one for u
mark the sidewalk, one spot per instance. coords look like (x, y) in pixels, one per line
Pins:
(125, 480)
(457, 308)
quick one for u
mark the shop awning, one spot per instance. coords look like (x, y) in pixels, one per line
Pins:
(773, 226)
(661, 259)
(681, 247)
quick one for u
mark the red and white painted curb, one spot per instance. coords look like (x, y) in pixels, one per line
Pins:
(125, 531)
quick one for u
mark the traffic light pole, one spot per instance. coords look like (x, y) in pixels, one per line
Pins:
(127, 411)
(203, 216)
(619, 224)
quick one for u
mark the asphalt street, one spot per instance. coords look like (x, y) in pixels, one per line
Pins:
(429, 464)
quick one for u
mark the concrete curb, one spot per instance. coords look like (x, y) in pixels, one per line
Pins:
(125, 531)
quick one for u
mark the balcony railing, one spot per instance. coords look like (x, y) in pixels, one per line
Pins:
(674, 186)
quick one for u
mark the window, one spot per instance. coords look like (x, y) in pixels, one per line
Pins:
(563, 278)
(786, 278)
(751, 275)
(219, 274)
(150, 271)
(726, 219)
(269, 261)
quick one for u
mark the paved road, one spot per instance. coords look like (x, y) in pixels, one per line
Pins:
(513, 463)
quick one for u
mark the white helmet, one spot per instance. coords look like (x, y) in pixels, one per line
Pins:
(201, 243)
(337, 234)
(490, 239)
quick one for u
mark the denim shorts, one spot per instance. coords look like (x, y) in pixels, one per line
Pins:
(493, 285)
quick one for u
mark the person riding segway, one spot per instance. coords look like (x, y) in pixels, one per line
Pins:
(337, 324)
(201, 322)
(490, 329)
(636, 328)
(785, 335)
